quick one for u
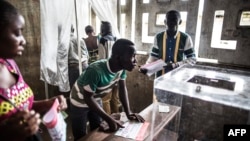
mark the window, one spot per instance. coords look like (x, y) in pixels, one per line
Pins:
(160, 17)
(216, 41)
(145, 37)
(98, 25)
(244, 19)
(123, 25)
(123, 2)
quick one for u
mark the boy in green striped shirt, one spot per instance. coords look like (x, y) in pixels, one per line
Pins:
(98, 80)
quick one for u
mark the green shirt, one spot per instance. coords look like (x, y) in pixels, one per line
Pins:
(97, 79)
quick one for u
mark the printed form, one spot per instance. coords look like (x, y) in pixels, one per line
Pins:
(133, 130)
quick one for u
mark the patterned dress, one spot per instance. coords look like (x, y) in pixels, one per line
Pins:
(20, 93)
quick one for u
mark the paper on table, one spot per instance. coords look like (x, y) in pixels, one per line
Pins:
(154, 66)
(123, 117)
(133, 130)
(163, 108)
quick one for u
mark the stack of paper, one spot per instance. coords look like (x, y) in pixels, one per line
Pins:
(154, 66)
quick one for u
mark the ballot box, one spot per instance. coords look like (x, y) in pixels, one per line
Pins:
(210, 97)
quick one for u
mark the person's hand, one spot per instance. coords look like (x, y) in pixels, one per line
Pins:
(143, 70)
(104, 125)
(22, 125)
(190, 61)
(171, 66)
(114, 125)
(135, 116)
(62, 102)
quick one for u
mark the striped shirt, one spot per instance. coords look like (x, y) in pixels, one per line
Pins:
(171, 49)
(97, 79)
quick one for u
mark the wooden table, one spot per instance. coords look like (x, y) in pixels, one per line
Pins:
(160, 121)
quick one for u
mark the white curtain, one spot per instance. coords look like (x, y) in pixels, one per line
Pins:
(83, 16)
(103, 9)
(56, 18)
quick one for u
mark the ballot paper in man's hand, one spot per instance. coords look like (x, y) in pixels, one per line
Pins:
(154, 66)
